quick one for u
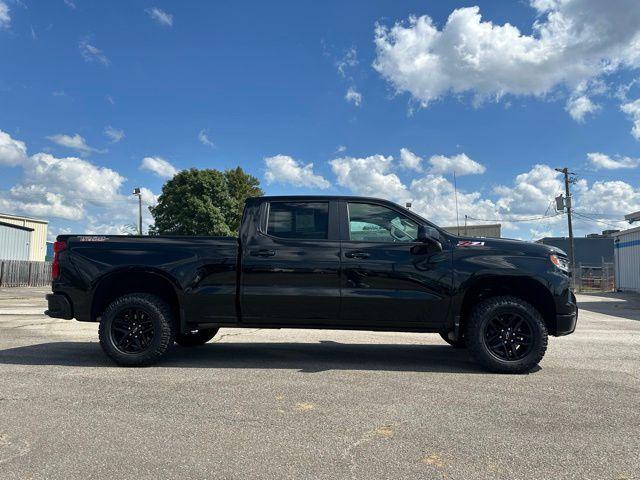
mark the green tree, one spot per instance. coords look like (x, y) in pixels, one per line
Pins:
(241, 186)
(202, 202)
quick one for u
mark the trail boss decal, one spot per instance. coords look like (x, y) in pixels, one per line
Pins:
(467, 243)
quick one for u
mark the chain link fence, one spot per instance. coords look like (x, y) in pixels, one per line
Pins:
(595, 278)
(19, 273)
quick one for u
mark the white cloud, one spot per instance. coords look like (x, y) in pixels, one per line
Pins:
(353, 96)
(114, 134)
(572, 42)
(580, 106)
(531, 193)
(158, 166)
(410, 160)
(611, 198)
(74, 142)
(71, 189)
(432, 195)
(91, 53)
(529, 196)
(160, 16)
(12, 152)
(370, 176)
(286, 170)
(70, 4)
(600, 160)
(460, 164)
(349, 60)
(5, 18)
(341, 149)
(633, 110)
(204, 139)
(62, 187)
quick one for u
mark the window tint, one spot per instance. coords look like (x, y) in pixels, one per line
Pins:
(298, 220)
(373, 223)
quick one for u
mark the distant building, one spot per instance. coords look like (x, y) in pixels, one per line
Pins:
(491, 231)
(592, 250)
(15, 230)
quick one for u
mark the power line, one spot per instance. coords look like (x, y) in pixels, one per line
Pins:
(597, 220)
(533, 219)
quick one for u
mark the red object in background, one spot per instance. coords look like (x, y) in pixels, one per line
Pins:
(55, 266)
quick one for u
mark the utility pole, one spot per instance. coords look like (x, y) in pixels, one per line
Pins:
(138, 193)
(572, 259)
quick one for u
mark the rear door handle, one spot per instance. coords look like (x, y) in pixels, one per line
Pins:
(357, 255)
(262, 253)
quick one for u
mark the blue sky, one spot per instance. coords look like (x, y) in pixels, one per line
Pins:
(89, 90)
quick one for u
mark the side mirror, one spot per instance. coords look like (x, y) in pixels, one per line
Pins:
(430, 236)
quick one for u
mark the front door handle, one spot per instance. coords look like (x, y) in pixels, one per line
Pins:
(357, 255)
(262, 253)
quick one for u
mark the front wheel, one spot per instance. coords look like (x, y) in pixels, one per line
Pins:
(197, 338)
(506, 335)
(136, 330)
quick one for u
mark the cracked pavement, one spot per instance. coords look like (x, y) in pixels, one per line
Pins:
(296, 404)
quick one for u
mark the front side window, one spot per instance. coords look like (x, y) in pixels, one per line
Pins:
(374, 223)
(302, 220)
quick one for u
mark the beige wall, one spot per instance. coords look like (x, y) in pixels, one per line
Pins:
(38, 242)
(492, 231)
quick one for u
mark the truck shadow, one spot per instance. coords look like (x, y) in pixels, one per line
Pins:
(304, 357)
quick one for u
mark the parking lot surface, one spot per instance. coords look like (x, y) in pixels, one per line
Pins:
(317, 404)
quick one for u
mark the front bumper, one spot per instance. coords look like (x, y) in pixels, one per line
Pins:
(59, 306)
(566, 322)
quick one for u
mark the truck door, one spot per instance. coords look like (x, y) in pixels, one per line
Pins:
(388, 277)
(291, 265)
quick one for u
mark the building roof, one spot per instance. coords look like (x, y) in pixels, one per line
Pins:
(19, 217)
(17, 227)
(624, 232)
(632, 217)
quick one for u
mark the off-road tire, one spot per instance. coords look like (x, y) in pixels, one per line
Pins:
(459, 343)
(478, 322)
(158, 314)
(195, 339)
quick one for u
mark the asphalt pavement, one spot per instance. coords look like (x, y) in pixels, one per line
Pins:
(296, 404)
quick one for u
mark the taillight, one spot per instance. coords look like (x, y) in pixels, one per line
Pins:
(55, 266)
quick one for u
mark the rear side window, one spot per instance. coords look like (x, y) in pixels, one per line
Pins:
(299, 220)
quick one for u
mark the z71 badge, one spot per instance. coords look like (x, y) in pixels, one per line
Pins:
(467, 243)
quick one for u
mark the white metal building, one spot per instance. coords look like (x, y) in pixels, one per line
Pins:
(627, 259)
(14, 242)
(37, 235)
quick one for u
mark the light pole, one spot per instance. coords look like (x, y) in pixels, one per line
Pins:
(138, 193)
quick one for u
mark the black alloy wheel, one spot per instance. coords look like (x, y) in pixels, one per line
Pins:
(132, 330)
(508, 336)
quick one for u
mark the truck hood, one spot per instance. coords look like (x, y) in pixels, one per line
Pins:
(510, 245)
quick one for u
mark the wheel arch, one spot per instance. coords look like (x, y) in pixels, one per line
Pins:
(135, 280)
(528, 289)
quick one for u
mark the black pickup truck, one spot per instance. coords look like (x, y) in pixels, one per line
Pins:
(348, 263)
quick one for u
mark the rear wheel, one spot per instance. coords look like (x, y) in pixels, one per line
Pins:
(506, 334)
(458, 343)
(194, 339)
(136, 330)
